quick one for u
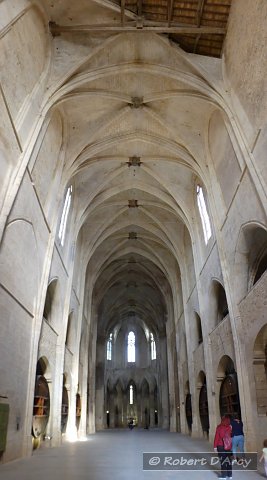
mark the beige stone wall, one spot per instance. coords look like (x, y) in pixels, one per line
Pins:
(30, 200)
(24, 71)
(9, 153)
(47, 167)
(224, 158)
(246, 69)
(21, 71)
(223, 148)
(245, 58)
(20, 300)
(15, 352)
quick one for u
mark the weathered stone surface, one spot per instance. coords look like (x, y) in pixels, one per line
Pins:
(74, 109)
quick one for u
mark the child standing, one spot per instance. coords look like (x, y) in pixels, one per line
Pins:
(264, 455)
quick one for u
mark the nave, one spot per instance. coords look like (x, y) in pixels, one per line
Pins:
(112, 454)
(133, 230)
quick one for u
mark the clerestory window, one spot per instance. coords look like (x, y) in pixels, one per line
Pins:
(203, 214)
(109, 347)
(131, 347)
(64, 216)
(153, 347)
(131, 395)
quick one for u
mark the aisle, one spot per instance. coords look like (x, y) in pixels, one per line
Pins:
(115, 455)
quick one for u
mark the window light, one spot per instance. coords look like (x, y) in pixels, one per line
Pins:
(131, 347)
(64, 216)
(203, 214)
(131, 395)
(109, 347)
(153, 347)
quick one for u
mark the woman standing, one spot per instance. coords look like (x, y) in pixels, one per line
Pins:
(223, 445)
(237, 437)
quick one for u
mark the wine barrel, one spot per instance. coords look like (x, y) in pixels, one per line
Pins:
(229, 396)
(41, 406)
(188, 411)
(204, 409)
(64, 409)
(78, 410)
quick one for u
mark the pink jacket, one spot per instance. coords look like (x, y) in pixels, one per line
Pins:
(221, 430)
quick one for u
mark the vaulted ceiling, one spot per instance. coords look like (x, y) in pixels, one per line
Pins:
(136, 109)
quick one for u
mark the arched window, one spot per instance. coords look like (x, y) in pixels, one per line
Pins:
(153, 347)
(64, 216)
(222, 303)
(131, 395)
(199, 329)
(109, 347)
(131, 347)
(203, 214)
(261, 268)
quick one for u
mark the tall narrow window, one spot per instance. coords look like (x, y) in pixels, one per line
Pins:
(131, 395)
(109, 347)
(64, 216)
(131, 347)
(203, 214)
(153, 347)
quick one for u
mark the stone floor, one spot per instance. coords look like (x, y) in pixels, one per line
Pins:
(113, 454)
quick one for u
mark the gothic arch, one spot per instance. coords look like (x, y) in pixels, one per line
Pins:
(250, 257)
(218, 303)
(203, 405)
(260, 371)
(53, 304)
(227, 385)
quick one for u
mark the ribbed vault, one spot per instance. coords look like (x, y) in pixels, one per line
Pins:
(133, 205)
(136, 110)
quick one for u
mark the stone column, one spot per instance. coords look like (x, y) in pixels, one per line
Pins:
(100, 387)
(163, 383)
(124, 410)
(91, 422)
(139, 411)
(111, 410)
(71, 431)
(152, 409)
(55, 407)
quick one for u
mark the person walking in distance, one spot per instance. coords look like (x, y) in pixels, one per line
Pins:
(223, 445)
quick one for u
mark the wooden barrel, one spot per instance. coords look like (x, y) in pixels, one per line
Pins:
(229, 396)
(188, 411)
(204, 409)
(64, 410)
(41, 406)
(78, 410)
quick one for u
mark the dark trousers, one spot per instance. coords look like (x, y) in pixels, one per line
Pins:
(226, 462)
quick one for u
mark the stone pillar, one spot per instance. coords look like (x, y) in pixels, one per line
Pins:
(100, 387)
(152, 409)
(182, 394)
(172, 375)
(163, 383)
(84, 403)
(71, 431)
(111, 410)
(138, 406)
(56, 397)
(124, 410)
(92, 377)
